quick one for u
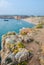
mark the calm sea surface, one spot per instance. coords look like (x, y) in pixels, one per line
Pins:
(12, 25)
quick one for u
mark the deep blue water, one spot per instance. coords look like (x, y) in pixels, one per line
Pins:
(12, 25)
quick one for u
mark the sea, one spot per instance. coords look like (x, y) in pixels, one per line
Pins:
(10, 25)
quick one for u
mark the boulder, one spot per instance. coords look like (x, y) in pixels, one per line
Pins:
(22, 55)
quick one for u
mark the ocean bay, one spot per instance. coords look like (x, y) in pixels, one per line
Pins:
(12, 25)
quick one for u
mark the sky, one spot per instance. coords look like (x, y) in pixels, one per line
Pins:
(22, 7)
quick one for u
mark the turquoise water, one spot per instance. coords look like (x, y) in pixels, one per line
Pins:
(12, 25)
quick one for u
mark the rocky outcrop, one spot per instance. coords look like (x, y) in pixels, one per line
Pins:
(13, 49)
(22, 55)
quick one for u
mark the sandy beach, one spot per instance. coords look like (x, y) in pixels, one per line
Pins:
(34, 20)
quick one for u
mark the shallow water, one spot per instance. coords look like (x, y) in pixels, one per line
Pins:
(12, 25)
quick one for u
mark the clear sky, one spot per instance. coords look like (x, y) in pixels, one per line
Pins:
(22, 7)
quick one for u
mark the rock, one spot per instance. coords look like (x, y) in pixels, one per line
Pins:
(42, 60)
(13, 49)
(22, 55)
(13, 63)
(11, 33)
(27, 39)
(9, 60)
(24, 31)
(0, 59)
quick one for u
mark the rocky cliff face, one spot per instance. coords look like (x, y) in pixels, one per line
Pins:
(12, 16)
(13, 49)
(18, 49)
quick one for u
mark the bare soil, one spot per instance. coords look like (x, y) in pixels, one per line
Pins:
(39, 37)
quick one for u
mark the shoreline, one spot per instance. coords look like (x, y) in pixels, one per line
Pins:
(30, 21)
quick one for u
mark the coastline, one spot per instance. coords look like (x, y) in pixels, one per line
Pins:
(29, 20)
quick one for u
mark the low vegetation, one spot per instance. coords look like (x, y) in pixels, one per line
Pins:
(23, 63)
(20, 45)
(23, 33)
(39, 26)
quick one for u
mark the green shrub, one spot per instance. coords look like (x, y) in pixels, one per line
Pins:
(39, 26)
(23, 63)
(23, 33)
(20, 45)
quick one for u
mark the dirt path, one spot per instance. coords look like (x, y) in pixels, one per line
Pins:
(35, 47)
